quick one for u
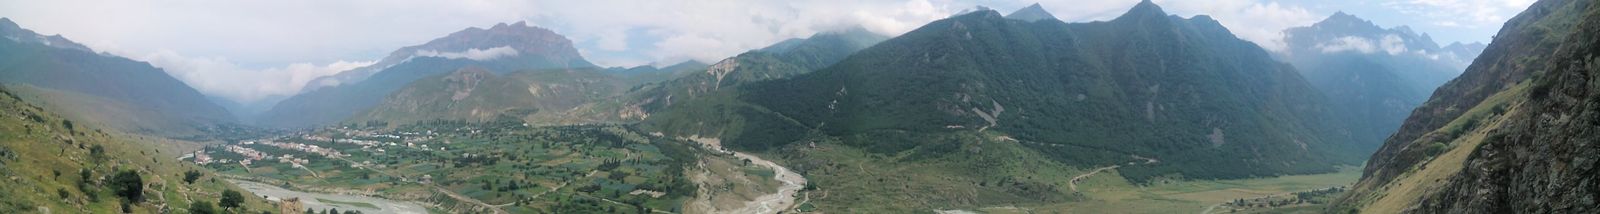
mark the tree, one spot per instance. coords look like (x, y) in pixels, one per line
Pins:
(202, 207)
(231, 199)
(97, 152)
(190, 176)
(128, 185)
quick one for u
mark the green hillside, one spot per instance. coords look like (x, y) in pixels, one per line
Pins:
(1185, 91)
(782, 60)
(167, 106)
(56, 165)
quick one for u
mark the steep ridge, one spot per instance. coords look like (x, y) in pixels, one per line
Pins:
(56, 65)
(471, 94)
(502, 48)
(1373, 76)
(785, 59)
(1031, 13)
(1185, 91)
(1510, 135)
(590, 95)
(477, 95)
(643, 74)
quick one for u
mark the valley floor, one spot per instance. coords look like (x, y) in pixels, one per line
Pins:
(1108, 192)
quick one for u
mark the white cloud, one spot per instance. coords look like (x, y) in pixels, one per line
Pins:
(1393, 44)
(472, 54)
(1389, 44)
(1348, 43)
(1461, 13)
(674, 30)
(1257, 21)
(613, 40)
(221, 77)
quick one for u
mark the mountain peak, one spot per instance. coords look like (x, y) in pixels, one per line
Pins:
(1031, 13)
(1145, 8)
(1345, 19)
(975, 9)
(1341, 14)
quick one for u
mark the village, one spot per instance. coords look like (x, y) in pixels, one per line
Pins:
(322, 143)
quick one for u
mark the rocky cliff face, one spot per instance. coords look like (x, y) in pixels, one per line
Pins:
(1544, 159)
(1516, 133)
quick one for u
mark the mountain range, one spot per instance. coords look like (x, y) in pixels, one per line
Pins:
(974, 111)
(1373, 76)
(500, 49)
(112, 91)
(1191, 93)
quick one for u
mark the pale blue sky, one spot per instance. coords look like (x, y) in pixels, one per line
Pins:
(247, 50)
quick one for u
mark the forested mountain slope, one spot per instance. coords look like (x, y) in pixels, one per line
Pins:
(1182, 90)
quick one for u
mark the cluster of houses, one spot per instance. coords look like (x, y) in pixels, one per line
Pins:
(313, 149)
(368, 140)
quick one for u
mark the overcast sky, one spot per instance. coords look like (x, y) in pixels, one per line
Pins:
(250, 50)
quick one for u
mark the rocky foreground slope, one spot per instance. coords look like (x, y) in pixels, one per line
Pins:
(1516, 133)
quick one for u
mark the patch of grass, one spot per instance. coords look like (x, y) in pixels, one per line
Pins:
(1110, 193)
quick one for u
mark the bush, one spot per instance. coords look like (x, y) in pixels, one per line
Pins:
(128, 185)
(202, 207)
(1436, 148)
(231, 199)
(191, 176)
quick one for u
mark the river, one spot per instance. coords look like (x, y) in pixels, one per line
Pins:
(323, 201)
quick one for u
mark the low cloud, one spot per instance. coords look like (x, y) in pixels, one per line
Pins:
(1348, 43)
(1388, 44)
(220, 77)
(472, 54)
(1393, 44)
(1257, 21)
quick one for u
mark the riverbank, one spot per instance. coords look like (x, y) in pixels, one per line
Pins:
(323, 201)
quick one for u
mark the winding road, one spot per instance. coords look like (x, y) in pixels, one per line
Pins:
(1074, 183)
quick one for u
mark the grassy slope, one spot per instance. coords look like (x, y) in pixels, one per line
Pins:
(105, 112)
(35, 148)
(954, 171)
(1408, 188)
